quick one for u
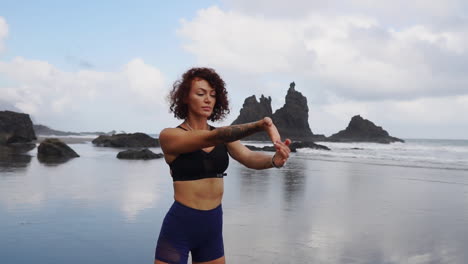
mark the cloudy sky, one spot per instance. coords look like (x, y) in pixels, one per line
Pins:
(108, 65)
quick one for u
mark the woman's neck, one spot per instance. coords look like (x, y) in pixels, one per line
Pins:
(197, 123)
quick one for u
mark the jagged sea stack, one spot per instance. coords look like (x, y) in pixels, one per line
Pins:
(363, 130)
(253, 110)
(292, 120)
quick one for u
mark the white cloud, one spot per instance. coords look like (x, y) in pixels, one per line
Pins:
(400, 64)
(146, 81)
(49, 94)
(376, 68)
(407, 9)
(3, 32)
(433, 111)
(354, 56)
(391, 10)
(83, 100)
(252, 44)
(424, 117)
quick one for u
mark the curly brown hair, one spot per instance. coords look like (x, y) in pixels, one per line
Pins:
(181, 90)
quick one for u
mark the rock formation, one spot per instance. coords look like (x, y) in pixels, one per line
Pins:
(143, 154)
(54, 150)
(135, 140)
(15, 128)
(252, 110)
(363, 130)
(307, 144)
(291, 119)
(265, 148)
(16, 139)
(293, 147)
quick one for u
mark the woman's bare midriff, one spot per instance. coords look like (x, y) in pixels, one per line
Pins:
(203, 194)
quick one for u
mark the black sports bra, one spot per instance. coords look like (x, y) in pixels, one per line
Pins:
(200, 164)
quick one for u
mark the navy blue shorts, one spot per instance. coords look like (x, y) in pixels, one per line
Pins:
(187, 229)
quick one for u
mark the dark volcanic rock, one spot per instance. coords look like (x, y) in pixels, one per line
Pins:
(265, 148)
(253, 110)
(292, 120)
(135, 140)
(307, 144)
(16, 138)
(363, 130)
(144, 154)
(293, 147)
(54, 150)
(15, 128)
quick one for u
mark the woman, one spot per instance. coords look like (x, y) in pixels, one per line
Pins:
(197, 154)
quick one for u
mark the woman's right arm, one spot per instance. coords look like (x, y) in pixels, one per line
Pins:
(176, 141)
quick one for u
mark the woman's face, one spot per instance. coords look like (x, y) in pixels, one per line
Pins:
(201, 99)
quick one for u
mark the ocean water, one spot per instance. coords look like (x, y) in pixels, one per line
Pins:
(424, 153)
(359, 203)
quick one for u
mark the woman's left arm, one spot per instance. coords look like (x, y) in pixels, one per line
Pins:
(258, 160)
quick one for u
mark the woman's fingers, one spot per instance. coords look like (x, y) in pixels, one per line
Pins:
(271, 129)
(284, 145)
(283, 155)
(268, 121)
(273, 133)
(282, 150)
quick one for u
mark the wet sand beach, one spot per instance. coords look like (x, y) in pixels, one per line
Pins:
(98, 209)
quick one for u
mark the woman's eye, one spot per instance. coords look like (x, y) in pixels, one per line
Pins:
(200, 94)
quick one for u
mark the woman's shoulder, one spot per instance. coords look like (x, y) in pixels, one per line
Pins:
(170, 131)
(167, 130)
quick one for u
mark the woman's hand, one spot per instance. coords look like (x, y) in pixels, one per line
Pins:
(282, 148)
(282, 153)
(271, 130)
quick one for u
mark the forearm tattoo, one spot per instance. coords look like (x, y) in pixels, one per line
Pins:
(236, 132)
